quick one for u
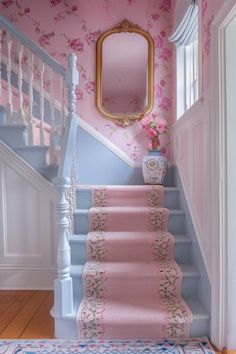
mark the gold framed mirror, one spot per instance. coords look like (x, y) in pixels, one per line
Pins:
(125, 73)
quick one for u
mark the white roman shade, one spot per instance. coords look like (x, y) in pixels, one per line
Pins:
(186, 23)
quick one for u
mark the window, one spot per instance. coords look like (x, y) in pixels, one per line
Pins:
(185, 37)
(187, 82)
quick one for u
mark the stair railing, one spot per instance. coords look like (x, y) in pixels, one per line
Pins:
(66, 179)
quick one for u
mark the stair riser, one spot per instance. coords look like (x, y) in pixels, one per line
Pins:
(176, 223)
(68, 328)
(35, 158)
(13, 137)
(84, 199)
(49, 172)
(78, 252)
(189, 286)
(200, 328)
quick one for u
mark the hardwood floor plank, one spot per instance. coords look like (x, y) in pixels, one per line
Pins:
(7, 298)
(42, 324)
(17, 302)
(24, 315)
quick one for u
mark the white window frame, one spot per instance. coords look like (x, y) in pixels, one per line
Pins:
(187, 78)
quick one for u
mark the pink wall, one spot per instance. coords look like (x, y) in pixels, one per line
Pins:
(62, 26)
(209, 10)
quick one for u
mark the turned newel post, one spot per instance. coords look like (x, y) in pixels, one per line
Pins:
(63, 291)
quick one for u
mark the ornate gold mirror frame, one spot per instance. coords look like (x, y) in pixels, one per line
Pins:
(125, 26)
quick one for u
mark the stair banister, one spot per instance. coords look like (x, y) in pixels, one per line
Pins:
(39, 52)
(63, 290)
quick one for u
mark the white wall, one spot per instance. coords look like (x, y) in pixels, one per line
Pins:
(27, 215)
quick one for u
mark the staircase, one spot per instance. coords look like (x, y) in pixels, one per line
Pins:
(45, 140)
(183, 249)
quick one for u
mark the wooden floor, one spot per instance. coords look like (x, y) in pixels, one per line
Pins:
(26, 314)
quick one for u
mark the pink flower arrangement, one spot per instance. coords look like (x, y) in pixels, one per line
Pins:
(154, 126)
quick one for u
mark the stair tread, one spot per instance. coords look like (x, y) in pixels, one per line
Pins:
(88, 187)
(82, 237)
(32, 147)
(172, 211)
(188, 270)
(10, 126)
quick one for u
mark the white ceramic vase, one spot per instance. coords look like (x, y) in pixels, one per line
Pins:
(154, 167)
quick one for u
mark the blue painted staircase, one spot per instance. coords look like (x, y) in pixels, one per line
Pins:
(16, 137)
(183, 250)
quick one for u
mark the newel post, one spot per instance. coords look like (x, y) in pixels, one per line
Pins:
(63, 291)
(63, 287)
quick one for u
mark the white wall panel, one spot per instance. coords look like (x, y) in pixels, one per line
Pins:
(189, 143)
(27, 221)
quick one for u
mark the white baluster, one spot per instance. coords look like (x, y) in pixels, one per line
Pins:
(0, 62)
(72, 79)
(63, 122)
(42, 140)
(52, 153)
(63, 291)
(20, 115)
(31, 99)
(9, 108)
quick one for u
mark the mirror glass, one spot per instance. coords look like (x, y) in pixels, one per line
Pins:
(124, 74)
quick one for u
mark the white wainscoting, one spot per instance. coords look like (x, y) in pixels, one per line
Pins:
(27, 219)
(190, 153)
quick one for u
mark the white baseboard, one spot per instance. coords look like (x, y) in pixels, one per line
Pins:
(27, 278)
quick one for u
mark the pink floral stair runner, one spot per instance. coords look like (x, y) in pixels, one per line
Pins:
(132, 284)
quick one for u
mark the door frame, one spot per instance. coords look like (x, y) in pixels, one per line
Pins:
(218, 175)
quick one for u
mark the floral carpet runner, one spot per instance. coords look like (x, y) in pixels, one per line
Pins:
(131, 282)
(193, 346)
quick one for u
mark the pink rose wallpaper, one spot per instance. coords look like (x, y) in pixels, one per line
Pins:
(62, 26)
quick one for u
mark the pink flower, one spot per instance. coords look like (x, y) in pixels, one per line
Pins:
(161, 128)
(162, 83)
(76, 44)
(55, 2)
(79, 94)
(158, 91)
(44, 39)
(152, 133)
(163, 34)
(7, 3)
(165, 5)
(74, 8)
(165, 54)
(145, 122)
(158, 41)
(165, 103)
(204, 8)
(90, 86)
(91, 37)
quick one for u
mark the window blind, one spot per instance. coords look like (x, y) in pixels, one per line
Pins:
(186, 28)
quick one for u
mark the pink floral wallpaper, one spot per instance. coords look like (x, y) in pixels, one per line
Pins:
(209, 10)
(62, 26)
